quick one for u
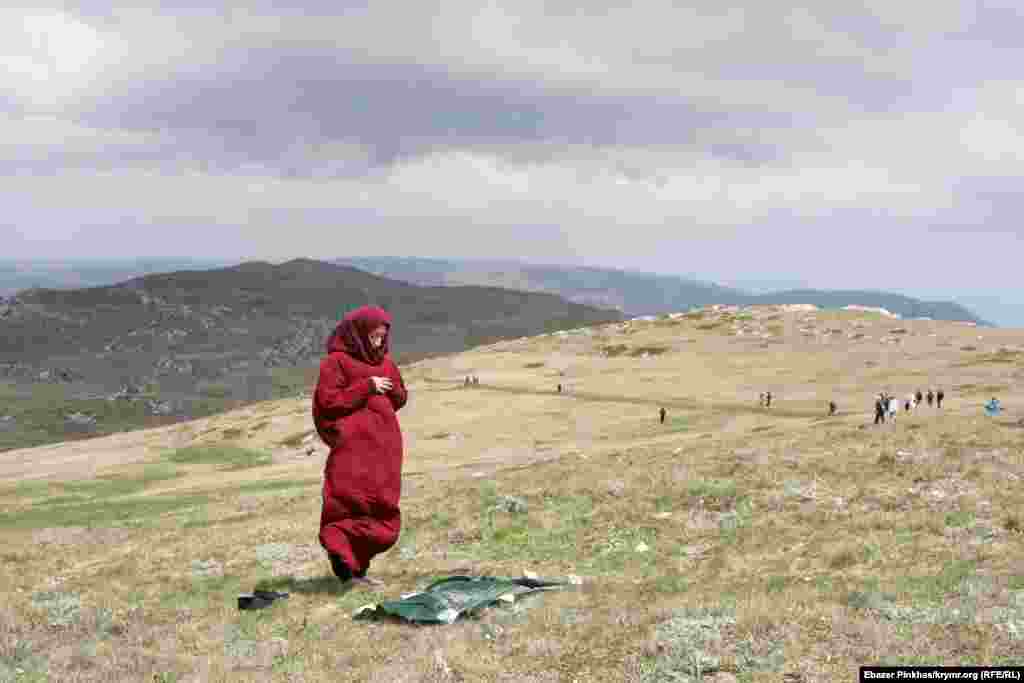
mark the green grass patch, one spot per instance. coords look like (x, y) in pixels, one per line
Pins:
(506, 536)
(51, 494)
(959, 518)
(215, 390)
(197, 518)
(99, 510)
(229, 457)
(517, 534)
(21, 663)
(205, 593)
(670, 584)
(664, 503)
(441, 519)
(617, 549)
(673, 425)
(715, 489)
(933, 588)
(275, 485)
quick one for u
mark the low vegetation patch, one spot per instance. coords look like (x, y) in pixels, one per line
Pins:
(650, 350)
(982, 389)
(98, 503)
(228, 457)
(232, 433)
(613, 350)
(297, 439)
(1002, 356)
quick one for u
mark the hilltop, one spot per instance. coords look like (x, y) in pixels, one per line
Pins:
(744, 542)
(637, 293)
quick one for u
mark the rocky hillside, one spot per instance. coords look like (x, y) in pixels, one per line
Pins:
(232, 334)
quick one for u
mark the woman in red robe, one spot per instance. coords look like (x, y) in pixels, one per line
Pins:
(357, 395)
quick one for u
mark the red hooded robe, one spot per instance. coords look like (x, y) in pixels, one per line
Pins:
(363, 475)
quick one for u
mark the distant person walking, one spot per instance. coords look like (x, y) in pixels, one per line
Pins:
(662, 414)
(768, 399)
(918, 397)
(993, 407)
(559, 388)
(889, 404)
(358, 394)
(938, 398)
(831, 408)
(879, 410)
(930, 397)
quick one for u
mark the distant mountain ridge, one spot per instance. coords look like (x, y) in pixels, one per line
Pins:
(256, 305)
(17, 275)
(637, 293)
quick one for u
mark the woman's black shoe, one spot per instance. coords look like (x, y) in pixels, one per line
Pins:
(341, 569)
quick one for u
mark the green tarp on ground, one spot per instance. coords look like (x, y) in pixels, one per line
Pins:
(445, 600)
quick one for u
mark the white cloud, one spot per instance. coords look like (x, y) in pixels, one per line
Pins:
(46, 56)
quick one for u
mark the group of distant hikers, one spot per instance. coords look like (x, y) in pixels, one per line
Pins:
(886, 406)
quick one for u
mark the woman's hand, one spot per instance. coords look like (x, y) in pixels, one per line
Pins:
(381, 384)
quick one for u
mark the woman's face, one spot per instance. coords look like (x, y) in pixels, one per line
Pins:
(377, 336)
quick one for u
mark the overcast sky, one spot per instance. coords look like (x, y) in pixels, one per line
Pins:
(873, 144)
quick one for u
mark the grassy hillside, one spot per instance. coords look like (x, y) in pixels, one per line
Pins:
(734, 541)
(200, 341)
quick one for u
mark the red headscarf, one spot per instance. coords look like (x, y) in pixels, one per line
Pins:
(352, 335)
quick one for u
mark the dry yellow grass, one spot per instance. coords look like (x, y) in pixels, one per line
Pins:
(779, 541)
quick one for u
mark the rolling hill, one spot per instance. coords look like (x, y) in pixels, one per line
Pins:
(636, 293)
(740, 542)
(189, 341)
